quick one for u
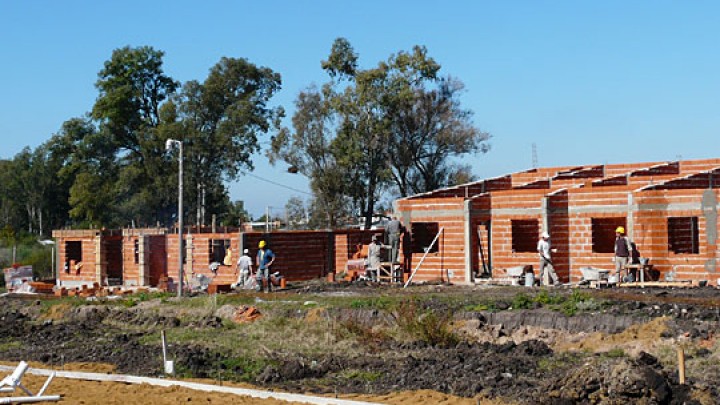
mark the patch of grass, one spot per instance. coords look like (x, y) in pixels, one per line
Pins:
(10, 344)
(614, 353)
(368, 336)
(241, 368)
(429, 326)
(485, 306)
(382, 303)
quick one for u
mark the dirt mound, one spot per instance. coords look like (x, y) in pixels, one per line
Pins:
(639, 381)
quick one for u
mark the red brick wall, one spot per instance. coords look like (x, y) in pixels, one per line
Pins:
(157, 266)
(651, 234)
(86, 273)
(299, 255)
(131, 269)
(348, 243)
(450, 257)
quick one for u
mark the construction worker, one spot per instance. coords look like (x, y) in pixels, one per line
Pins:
(244, 269)
(543, 248)
(374, 257)
(623, 251)
(264, 260)
(394, 229)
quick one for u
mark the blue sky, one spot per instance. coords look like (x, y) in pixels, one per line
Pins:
(587, 82)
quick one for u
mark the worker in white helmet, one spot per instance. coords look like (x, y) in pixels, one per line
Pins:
(543, 248)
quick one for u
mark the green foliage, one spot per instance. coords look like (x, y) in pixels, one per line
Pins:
(427, 325)
(395, 125)
(383, 303)
(568, 305)
(522, 301)
(486, 306)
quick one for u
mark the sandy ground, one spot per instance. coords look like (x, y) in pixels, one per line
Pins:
(93, 392)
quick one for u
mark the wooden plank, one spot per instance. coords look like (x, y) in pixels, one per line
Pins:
(660, 284)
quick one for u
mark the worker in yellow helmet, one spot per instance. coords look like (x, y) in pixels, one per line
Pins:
(623, 251)
(264, 260)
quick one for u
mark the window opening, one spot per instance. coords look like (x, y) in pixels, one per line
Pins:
(525, 234)
(683, 235)
(423, 234)
(218, 250)
(603, 234)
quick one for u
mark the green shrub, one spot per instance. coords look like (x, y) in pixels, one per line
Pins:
(522, 301)
(425, 325)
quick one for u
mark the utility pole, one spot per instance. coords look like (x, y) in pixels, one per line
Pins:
(168, 145)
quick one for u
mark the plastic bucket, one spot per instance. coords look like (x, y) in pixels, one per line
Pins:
(529, 279)
(169, 367)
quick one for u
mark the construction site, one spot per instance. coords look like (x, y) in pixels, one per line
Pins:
(450, 321)
(463, 235)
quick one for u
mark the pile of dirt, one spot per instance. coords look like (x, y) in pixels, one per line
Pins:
(621, 381)
(465, 370)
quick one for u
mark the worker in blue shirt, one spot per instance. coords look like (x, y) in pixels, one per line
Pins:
(264, 260)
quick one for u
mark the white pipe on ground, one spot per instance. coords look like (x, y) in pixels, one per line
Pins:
(129, 379)
(29, 400)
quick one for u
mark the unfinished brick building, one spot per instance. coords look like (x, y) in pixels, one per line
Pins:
(144, 257)
(669, 210)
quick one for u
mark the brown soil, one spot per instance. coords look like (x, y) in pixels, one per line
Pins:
(532, 353)
(94, 392)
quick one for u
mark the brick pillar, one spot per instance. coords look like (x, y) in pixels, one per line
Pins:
(545, 214)
(709, 209)
(189, 247)
(467, 219)
(143, 260)
(100, 263)
(629, 220)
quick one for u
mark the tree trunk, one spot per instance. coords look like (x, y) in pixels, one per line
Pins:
(370, 203)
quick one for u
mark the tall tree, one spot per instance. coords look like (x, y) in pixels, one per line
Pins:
(222, 119)
(429, 129)
(308, 150)
(133, 88)
(398, 124)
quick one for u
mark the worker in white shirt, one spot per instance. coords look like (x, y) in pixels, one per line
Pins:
(543, 248)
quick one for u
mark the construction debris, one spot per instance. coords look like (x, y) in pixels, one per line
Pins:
(246, 314)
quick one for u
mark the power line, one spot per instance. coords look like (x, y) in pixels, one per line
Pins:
(278, 184)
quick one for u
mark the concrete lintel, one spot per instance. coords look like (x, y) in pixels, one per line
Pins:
(481, 213)
(518, 211)
(421, 214)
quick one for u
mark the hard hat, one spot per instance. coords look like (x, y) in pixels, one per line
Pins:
(261, 244)
(545, 235)
(620, 229)
(245, 251)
